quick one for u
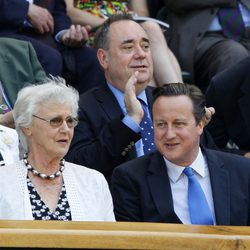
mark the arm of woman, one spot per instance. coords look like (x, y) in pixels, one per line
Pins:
(82, 17)
(140, 7)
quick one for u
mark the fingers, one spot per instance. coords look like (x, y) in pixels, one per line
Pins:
(209, 113)
(41, 19)
(75, 36)
(133, 106)
(130, 86)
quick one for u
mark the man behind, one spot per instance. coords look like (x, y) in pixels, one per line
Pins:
(154, 188)
(110, 130)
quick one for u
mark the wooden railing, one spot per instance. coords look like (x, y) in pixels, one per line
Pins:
(120, 235)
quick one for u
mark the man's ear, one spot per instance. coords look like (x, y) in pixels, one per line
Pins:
(201, 126)
(103, 58)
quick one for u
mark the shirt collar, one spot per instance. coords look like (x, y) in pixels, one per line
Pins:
(175, 171)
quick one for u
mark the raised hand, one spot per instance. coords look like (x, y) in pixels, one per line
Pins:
(132, 104)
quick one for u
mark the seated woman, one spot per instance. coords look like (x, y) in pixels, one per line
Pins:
(93, 13)
(42, 186)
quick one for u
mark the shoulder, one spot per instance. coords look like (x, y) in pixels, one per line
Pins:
(229, 160)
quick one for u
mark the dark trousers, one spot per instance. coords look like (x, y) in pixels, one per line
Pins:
(79, 66)
(215, 53)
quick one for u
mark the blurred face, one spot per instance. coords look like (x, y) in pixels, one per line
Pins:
(128, 52)
(176, 133)
(50, 141)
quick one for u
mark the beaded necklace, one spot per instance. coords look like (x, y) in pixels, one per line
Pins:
(41, 175)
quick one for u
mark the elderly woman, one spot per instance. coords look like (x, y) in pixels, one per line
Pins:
(42, 186)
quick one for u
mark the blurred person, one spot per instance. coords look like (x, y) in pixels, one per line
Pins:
(42, 186)
(60, 46)
(229, 93)
(182, 182)
(209, 36)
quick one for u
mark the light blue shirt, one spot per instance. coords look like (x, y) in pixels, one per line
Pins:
(127, 120)
(179, 186)
(215, 24)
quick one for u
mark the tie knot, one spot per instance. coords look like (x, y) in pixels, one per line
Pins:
(188, 171)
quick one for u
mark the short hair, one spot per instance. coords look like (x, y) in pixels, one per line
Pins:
(178, 89)
(102, 34)
(52, 91)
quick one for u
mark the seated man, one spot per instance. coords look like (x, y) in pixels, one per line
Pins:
(182, 182)
(209, 36)
(59, 45)
(229, 94)
(110, 129)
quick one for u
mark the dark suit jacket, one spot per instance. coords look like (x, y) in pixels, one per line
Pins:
(101, 140)
(189, 20)
(229, 94)
(13, 14)
(141, 189)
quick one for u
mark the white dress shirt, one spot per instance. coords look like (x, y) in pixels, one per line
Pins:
(179, 186)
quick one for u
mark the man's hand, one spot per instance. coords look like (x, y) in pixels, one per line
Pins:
(209, 113)
(40, 19)
(75, 36)
(132, 104)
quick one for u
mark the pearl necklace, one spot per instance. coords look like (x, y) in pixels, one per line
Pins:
(41, 175)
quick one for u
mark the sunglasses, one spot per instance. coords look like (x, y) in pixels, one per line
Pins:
(58, 121)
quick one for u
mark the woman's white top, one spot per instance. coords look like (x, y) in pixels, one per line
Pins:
(9, 145)
(87, 192)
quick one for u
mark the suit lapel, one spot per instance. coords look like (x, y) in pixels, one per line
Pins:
(219, 179)
(108, 102)
(111, 108)
(159, 186)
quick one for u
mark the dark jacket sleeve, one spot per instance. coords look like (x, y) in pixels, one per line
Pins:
(61, 20)
(101, 142)
(13, 13)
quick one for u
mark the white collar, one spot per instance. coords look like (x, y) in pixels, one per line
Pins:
(175, 171)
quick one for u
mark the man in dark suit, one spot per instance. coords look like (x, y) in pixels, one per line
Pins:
(196, 36)
(58, 44)
(109, 131)
(229, 94)
(155, 188)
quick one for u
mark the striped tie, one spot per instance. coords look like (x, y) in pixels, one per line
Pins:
(232, 23)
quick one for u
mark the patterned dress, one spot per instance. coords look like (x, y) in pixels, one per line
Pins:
(41, 212)
(103, 9)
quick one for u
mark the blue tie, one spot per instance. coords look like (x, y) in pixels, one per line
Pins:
(198, 207)
(232, 23)
(147, 131)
